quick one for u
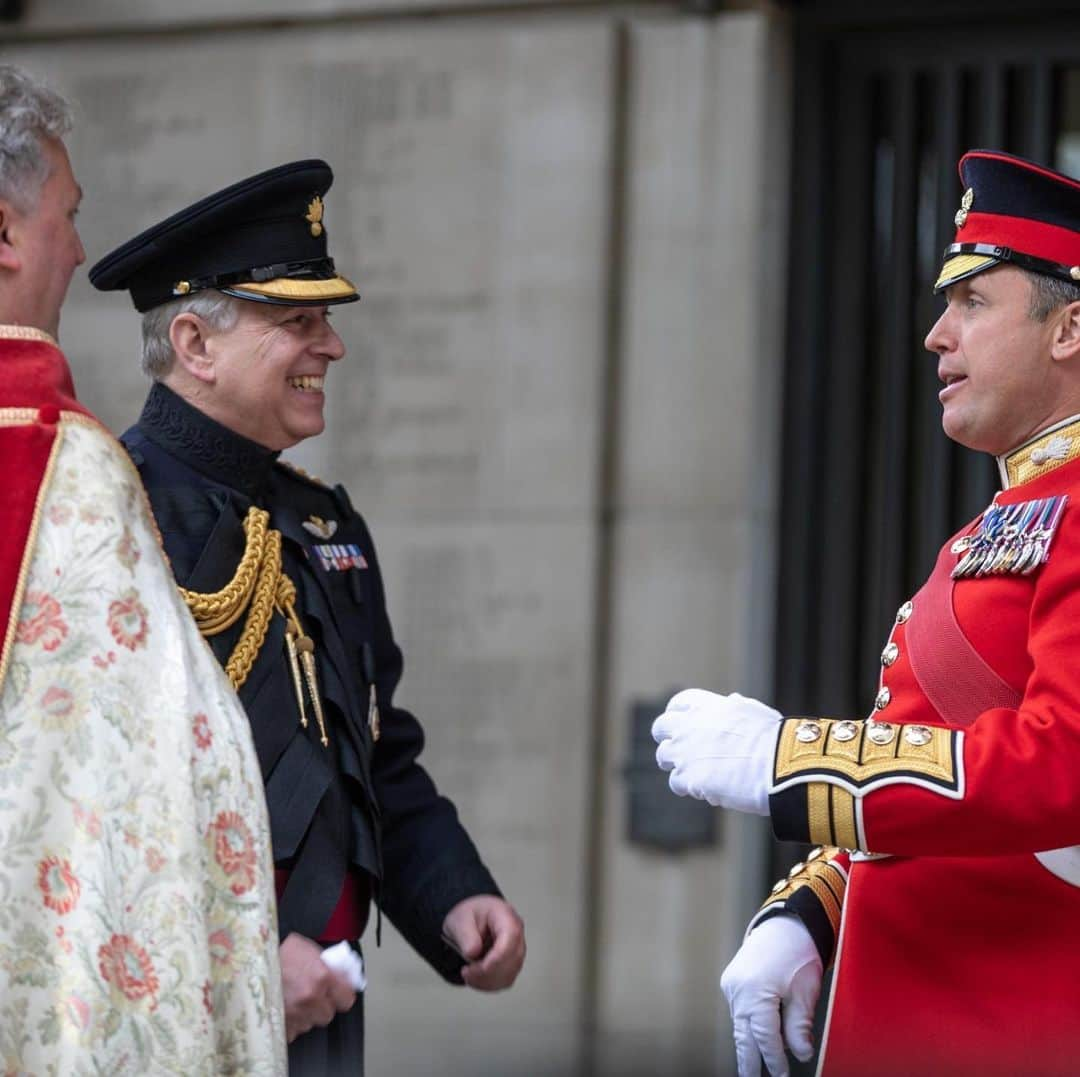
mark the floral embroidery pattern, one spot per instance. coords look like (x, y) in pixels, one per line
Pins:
(77, 1011)
(128, 621)
(42, 621)
(58, 884)
(234, 851)
(137, 930)
(59, 514)
(127, 967)
(221, 946)
(87, 820)
(59, 707)
(200, 728)
(62, 940)
(127, 550)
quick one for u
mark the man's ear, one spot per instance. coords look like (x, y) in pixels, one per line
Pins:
(1065, 344)
(9, 255)
(189, 336)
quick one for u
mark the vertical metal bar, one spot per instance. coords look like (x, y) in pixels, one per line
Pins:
(887, 446)
(839, 504)
(1017, 107)
(805, 381)
(938, 140)
(607, 456)
(1041, 121)
(993, 119)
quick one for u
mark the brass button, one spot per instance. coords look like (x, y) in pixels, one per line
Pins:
(795, 870)
(808, 732)
(845, 731)
(918, 735)
(883, 699)
(904, 612)
(779, 886)
(880, 732)
(890, 654)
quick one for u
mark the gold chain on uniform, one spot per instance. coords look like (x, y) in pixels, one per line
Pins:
(259, 586)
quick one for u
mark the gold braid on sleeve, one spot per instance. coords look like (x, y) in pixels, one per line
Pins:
(258, 587)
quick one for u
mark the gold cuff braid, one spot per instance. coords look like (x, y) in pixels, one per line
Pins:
(859, 756)
(822, 876)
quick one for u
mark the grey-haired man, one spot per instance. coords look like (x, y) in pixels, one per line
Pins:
(40, 247)
(137, 932)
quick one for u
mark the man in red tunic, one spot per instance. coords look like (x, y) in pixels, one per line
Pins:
(946, 882)
(137, 928)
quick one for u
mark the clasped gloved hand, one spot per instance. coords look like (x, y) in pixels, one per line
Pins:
(773, 983)
(718, 748)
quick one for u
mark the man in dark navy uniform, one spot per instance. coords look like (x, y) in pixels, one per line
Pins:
(282, 577)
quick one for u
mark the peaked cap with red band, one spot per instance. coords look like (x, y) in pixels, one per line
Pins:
(1017, 212)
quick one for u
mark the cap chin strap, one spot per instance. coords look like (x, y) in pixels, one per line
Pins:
(312, 269)
(1016, 258)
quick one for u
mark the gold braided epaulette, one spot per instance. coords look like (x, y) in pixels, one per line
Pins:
(822, 876)
(254, 589)
(257, 588)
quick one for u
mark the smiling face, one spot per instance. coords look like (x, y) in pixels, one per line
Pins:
(45, 244)
(1002, 385)
(268, 372)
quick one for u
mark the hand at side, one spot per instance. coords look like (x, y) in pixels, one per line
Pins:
(488, 933)
(314, 994)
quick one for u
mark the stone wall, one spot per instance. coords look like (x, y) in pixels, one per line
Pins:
(559, 413)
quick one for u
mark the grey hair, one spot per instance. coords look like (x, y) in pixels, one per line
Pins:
(218, 310)
(1049, 294)
(29, 113)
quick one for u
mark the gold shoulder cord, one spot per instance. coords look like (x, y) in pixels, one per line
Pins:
(259, 586)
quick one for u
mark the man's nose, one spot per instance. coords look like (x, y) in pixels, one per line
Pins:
(940, 338)
(333, 346)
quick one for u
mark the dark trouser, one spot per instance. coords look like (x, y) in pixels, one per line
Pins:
(334, 1051)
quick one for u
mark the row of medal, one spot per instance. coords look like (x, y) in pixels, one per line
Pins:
(1010, 538)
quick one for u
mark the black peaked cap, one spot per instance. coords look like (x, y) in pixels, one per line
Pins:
(263, 239)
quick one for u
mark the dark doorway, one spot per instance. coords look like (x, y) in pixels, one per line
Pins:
(872, 487)
(886, 100)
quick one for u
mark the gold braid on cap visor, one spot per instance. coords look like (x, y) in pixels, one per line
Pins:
(286, 288)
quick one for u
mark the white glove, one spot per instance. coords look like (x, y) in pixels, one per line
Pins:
(347, 963)
(777, 966)
(718, 748)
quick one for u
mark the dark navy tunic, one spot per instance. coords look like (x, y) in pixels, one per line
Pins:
(355, 806)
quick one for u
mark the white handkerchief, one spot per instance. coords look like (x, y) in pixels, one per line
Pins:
(345, 961)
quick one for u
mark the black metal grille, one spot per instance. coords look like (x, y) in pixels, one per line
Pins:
(871, 484)
(887, 97)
